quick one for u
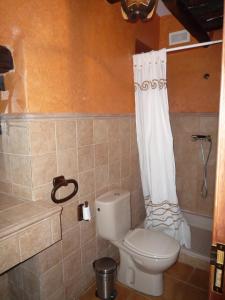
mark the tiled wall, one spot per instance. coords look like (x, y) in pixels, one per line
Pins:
(101, 154)
(188, 157)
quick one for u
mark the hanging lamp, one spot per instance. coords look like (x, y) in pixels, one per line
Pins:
(132, 10)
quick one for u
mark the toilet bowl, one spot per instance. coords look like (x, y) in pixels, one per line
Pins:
(144, 253)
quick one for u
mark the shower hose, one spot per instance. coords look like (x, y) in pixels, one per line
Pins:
(204, 187)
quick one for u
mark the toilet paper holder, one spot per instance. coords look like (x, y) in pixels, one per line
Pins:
(83, 212)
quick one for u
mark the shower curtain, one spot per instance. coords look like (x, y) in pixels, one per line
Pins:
(155, 146)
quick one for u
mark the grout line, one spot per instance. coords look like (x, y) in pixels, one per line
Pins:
(186, 283)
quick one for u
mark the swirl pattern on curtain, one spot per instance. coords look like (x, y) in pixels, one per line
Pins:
(151, 84)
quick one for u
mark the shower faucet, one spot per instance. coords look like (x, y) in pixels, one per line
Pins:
(200, 137)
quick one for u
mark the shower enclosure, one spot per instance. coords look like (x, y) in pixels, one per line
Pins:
(195, 157)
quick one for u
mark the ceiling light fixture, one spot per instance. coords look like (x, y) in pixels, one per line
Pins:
(133, 10)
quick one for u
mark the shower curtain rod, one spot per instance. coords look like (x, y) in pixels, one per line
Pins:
(193, 46)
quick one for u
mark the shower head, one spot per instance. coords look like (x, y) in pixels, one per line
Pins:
(200, 137)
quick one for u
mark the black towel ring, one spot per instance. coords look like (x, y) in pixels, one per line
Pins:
(59, 182)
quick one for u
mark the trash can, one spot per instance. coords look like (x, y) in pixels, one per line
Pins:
(105, 271)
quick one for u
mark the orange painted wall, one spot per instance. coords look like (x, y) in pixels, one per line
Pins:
(71, 56)
(188, 91)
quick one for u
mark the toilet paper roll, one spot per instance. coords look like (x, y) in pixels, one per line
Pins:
(86, 213)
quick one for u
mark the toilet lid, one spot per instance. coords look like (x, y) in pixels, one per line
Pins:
(151, 243)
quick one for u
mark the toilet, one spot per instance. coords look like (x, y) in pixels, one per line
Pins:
(144, 253)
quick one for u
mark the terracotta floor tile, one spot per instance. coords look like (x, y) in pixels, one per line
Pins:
(136, 296)
(180, 271)
(177, 290)
(123, 292)
(200, 279)
(89, 295)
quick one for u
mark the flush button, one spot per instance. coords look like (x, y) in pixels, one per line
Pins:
(98, 209)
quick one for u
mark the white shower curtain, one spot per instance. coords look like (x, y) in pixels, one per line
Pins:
(155, 146)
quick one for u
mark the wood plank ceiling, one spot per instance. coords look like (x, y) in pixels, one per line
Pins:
(199, 17)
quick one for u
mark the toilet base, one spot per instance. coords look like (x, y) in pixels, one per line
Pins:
(130, 275)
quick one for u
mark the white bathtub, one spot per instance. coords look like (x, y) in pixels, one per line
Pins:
(201, 232)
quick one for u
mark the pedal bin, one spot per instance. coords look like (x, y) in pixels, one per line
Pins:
(105, 271)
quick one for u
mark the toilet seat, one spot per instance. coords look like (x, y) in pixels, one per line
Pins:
(151, 243)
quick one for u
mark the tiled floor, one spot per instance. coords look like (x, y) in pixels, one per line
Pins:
(182, 282)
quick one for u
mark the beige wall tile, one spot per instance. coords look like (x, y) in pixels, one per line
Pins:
(32, 265)
(126, 183)
(67, 162)
(113, 130)
(15, 276)
(56, 229)
(125, 146)
(72, 266)
(18, 138)
(101, 191)
(42, 131)
(51, 280)
(6, 187)
(10, 254)
(69, 215)
(114, 151)
(84, 132)
(43, 169)
(189, 124)
(35, 239)
(58, 295)
(114, 173)
(4, 140)
(4, 287)
(85, 158)
(101, 245)
(5, 168)
(101, 154)
(86, 183)
(16, 293)
(88, 231)
(113, 252)
(49, 257)
(100, 131)
(124, 127)
(27, 296)
(74, 287)
(89, 252)
(42, 192)
(209, 125)
(22, 191)
(125, 166)
(21, 170)
(65, 134)
(31, 283)
(71, 240)
(88, 275)
(101, 177)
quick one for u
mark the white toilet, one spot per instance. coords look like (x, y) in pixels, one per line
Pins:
(144, 254)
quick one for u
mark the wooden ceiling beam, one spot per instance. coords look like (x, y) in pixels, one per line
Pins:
(187, 20)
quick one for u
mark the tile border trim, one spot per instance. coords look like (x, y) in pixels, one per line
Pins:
(38, 116)
(62, 116)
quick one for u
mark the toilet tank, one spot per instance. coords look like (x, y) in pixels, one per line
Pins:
(113, 214)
